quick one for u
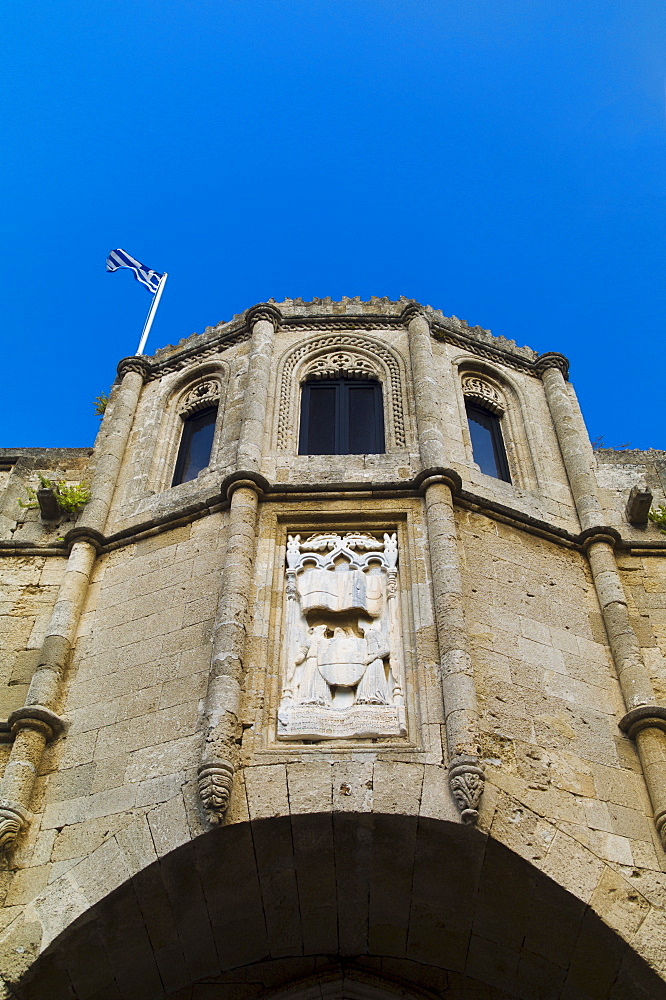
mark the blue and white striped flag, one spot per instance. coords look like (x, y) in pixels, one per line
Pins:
(120, 258)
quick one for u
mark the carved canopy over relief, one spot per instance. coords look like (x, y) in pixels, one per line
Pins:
(343, 674)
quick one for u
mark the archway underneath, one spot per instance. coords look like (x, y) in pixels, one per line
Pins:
(340, 905)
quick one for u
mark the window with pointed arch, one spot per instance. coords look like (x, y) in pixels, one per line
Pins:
(341, 416)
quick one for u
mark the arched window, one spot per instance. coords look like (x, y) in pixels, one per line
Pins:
(487, 444)
(196, 444)
(342, 416)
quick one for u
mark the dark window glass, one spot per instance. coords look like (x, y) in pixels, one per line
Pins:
(342, 417)
(195, 445)
(487, 444)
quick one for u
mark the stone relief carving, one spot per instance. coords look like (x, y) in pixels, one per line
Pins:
(342, 362)
(200, 396)
(483, 392)
(343, 676)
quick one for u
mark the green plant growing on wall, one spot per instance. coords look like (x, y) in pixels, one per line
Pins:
(70, 497)
(100, 403)
(658, 515)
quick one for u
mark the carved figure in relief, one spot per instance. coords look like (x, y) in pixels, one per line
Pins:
(374, 686)
(313, 689)
(342, 676)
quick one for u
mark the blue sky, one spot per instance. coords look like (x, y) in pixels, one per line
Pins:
(502, 161)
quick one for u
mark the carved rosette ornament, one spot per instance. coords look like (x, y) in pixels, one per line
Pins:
(482, 392)
(343, 675)
(466, 780)
(215, 782)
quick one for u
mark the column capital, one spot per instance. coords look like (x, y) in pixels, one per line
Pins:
(428, 477)
(551, 359)
(85, 534)
(411, 311)
(37, 717)
(599, 533)
(137, 363)
(265, 311)
(252, 480)
(643, 717)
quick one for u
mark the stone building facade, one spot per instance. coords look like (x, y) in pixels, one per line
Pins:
(348, 680)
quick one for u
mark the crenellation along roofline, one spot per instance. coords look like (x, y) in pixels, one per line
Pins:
(347, 313)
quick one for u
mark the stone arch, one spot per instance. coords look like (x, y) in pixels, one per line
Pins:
(255, 908)
(197, 388)
(350, 354)
(494, 389)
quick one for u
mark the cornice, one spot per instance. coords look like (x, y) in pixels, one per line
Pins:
(292, 492)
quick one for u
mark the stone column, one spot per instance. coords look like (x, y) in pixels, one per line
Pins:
(573, 439)
(263, 320)
(645, 721)
(221, 722)
(437, 484)
(37, 722)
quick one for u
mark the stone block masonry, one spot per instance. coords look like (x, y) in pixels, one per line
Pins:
(335, 725)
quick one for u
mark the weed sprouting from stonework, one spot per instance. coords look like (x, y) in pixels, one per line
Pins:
(658, 515)
(70, 497)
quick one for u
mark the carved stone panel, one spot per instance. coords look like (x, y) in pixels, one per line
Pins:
(343, 675)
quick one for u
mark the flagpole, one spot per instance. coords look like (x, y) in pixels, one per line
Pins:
(151, 313)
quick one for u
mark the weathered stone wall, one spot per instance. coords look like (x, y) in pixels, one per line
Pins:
(504, 639)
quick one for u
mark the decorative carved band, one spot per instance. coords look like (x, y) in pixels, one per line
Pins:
(476, 388)
(339, 343)
(466, 779)
(215, 781)
(341, 363)
(552, 359)
(200, 397)
(137, 364)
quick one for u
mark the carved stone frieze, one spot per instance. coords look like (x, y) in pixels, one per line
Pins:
(481, 391)
(343, 674)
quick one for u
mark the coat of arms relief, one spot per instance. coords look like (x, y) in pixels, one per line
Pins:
(343, 673)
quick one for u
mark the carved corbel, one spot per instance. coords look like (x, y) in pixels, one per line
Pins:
(13, 817)
(215, 781)
(466, 779)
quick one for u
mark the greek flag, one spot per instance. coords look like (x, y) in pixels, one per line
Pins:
(120, 258)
